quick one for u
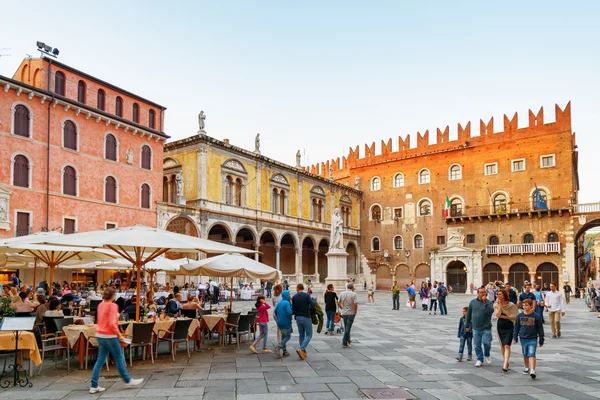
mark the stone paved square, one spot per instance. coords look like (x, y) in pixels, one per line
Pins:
(406, 349)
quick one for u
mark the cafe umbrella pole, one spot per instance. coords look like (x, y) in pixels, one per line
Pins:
(231, 294)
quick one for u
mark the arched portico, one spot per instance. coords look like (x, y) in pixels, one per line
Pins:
(471, 258)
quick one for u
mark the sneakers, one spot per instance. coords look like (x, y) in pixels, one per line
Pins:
(525, 371)
(459, 359)
(478, 363)
(558, 333)
(532, 374)
(301, 353)
(97, 389)
(267, 351)
(285, 353)
(347, 346)
(135, 382)
(253, 349)
(488, 360)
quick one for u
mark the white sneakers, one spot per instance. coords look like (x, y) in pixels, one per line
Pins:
(134, 382)
(488, 360)
(478, 363)
(97, 389)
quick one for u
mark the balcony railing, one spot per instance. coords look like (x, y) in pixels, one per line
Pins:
(510, 208)
(523, 248)
(586, 208)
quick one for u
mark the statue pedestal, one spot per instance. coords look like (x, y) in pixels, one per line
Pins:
(336, 268)
(180, 200)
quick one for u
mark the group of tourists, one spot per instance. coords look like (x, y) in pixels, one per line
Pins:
(519, 318)
(430, 294)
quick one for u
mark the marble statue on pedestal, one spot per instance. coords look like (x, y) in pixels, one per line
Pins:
(257, 143)
(298, 159)
(337, 238)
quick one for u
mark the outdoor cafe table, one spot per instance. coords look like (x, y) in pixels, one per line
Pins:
(26, 342)
(78, 335)
(246, 294)
(214, 322)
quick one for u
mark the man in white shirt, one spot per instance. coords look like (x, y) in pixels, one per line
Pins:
(348, 303)
(555, 304)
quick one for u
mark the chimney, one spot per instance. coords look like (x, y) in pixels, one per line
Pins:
(226, 141)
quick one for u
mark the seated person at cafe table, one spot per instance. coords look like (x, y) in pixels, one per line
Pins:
(54, 309)
(192, 303)
(40, 311)
(174, 305)
(131, 307)
(23, 304)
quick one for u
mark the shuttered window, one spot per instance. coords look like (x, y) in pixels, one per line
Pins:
(70, 135)
(23, 225)
(151, 119)
(101, 96)
(21, 171)
(110, 149)
(136, 113)
(69, 226)
(59, 83)
(146, 157)
(119, 107)
(145, 196)
(22, 122)
(69, 181)
(81, 92)
(110, 190)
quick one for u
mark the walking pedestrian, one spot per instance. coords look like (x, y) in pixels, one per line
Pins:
(348, 303)
(442, 294)
(411, 296)
(301, 304)
(529, 329)
(512, 294)
(527, 294)
(433, 296)
(568, 291)
(555, 304)
(424, 295)
(109, 341)
(395, 296)
(331, 300)
(466, 337)
(507, 314)
(479, 319)
(277, 291)
(371, 293)
(283, 317)
(539, 302)
(263, 324)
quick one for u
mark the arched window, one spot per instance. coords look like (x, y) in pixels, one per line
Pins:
(238, 192)
(552, 237)
(151, 119)
(21, 121)
(376, 183)
(228, 190)
(59, 83)
(70, 135)
(456, 207)
(424, 207)
(146, 157)
(21, 171)
(375, 213)
(424, 176)
(145, 196)
(528, 238)
(110, 190)
(455, 172)
(499, 203)
(375, 244)
(81, 92)
(119, 107)
(70, 181)
(398, 242)
(282, 198)
(493, 240)
(540, 199)
(399, 180)
(110, 147)
(318, 206)
(275, 200)
(101, 98)
(136, 112)
(418, 241)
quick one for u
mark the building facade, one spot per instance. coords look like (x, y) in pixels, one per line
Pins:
(213, 189)
(78, 153)
(470, 210)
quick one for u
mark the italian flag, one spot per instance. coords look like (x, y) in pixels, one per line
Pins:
(447, 208)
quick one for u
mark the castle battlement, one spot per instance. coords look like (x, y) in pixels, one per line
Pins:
(465, 139)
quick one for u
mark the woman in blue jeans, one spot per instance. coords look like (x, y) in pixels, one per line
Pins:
(331, 300)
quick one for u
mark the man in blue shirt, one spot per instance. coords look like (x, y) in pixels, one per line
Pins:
(301, 305)
(479, 319)
(442, 293)
(512, 294)
(411, 296)
(527, 294)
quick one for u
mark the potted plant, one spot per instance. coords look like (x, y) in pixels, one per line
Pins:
(6, 309)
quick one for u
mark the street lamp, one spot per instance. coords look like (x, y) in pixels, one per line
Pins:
(48, 50)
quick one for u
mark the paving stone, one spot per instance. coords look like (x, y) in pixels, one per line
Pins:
(298, 388)
(320, 396)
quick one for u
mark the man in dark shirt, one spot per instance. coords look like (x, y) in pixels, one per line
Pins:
(131, 307)
(331, 299)
(269, 288)
(527, 294)
(512, 294)
(301, 305)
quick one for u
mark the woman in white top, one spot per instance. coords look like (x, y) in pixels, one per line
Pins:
(23, 305)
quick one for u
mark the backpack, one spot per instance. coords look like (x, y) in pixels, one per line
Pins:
(444, 292)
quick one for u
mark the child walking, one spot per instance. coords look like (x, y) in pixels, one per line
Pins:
(263, 323)
(283, 315)
(529, 329)
(466, 336)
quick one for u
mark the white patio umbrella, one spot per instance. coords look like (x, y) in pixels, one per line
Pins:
(153, 267)
(141, 244)
(231, 266)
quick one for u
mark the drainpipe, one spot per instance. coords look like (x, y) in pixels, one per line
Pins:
(48, 151)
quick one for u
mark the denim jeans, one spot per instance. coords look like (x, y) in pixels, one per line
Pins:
(112, 346)
(433, 305)
(461, 346)
(443, 309)
(304, 331)
(286, 335)
(539, 310)
(396, 300)
(330, 320)
(348, 321)
(264, 333)
(482, 337)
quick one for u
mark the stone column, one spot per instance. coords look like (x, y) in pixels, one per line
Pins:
(316, 264)
(468, 261)
(257, 247)
(300, 201)
(277, 265)
(505, 276)
(532, 278)
(258, 186)
(202, 173)
(298, 271)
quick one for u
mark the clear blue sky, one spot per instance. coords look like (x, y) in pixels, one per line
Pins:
(324, 77)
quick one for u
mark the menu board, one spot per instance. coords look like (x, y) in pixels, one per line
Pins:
(17, 324)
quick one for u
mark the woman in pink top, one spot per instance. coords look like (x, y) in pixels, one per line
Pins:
(109, 341)
(263, 323)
